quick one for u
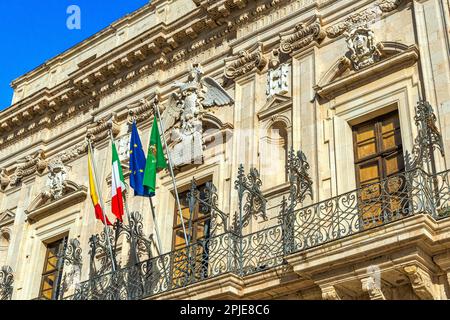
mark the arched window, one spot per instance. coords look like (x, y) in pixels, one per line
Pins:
(273, 155)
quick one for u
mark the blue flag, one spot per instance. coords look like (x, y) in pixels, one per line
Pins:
(137, 165)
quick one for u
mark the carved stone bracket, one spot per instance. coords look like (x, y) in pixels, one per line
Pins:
(363, 17)
(302, 35)
(245, 61)
(420, 282)
(29, 166)
(330, 293)
(373, 288)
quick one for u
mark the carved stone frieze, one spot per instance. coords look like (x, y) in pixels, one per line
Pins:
(29, 166)
(302, 35)
(245, 61)
(363, 17)
(74, 152)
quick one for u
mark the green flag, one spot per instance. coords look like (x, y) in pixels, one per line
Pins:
(155, 159)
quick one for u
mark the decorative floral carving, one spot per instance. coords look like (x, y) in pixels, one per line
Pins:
(303, 35)
(363, 49)
(246, 61)
(74, 152)
(363, 17)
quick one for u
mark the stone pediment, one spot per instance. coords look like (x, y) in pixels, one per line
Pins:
(341, 77)
(44, 205)
(275, 105)
(7, 217)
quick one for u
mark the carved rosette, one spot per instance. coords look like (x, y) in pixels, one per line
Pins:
(363, 17)
(246, 61)
(302, 35)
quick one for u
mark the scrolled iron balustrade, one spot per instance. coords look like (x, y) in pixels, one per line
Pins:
(6, 283)
(417, 191)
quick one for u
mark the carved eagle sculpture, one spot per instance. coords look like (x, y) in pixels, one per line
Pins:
(195, 95)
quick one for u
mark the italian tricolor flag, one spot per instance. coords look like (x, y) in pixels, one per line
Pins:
(117, 185)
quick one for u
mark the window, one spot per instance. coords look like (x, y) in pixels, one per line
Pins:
(199, 226)
(52, 270)
(379, 156)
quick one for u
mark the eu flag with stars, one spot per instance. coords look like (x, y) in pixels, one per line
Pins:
(137, 164)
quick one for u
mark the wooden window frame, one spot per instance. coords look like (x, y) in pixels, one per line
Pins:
(57, 272)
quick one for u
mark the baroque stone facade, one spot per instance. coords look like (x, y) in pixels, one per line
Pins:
(239, 82)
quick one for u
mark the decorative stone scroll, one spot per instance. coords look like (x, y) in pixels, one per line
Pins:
(28, 166)
(363, 17)
(245, 61)
(100, 129)
(302, 35)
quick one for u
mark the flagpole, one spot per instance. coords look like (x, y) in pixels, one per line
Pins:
(108, 240)
(158, 237)
(155, 106)
(133, 240)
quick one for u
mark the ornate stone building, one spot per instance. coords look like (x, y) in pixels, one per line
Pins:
(338, 111)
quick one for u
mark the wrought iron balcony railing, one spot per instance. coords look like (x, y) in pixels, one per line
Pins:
(398, 197)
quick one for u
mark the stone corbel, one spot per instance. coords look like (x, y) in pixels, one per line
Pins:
(420, 282)
(245, 61)
(330, 293)
(373, 288)
(302, 35)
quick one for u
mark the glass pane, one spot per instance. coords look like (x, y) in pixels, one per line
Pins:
(180, 241)
(186, 214)
(365, 141)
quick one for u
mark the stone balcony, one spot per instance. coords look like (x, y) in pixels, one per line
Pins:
(392, 245)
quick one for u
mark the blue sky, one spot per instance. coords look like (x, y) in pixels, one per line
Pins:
(33, 31)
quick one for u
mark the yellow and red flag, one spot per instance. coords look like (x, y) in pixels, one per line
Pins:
(99, 214)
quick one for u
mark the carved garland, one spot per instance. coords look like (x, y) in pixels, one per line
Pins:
(363, 17)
